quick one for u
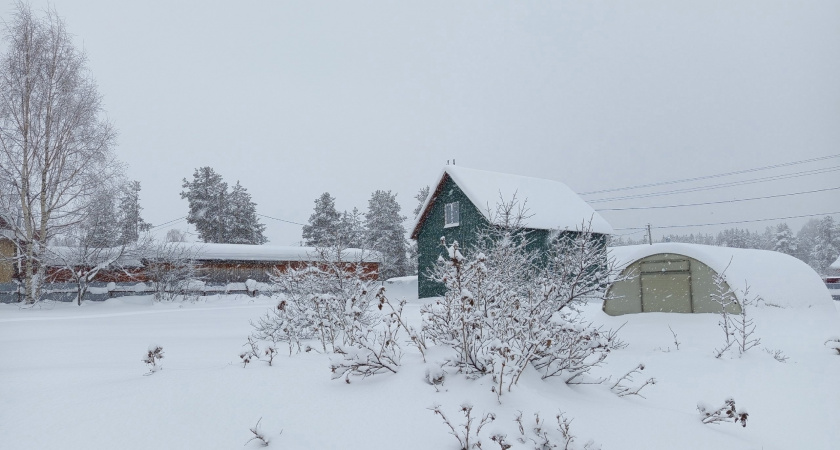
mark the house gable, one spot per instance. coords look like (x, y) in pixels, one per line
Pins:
(432, 228)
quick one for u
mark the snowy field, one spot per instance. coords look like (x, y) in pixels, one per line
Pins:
(72, 378)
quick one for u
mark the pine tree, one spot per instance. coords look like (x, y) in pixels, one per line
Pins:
(826, 246)
(206, 195)
(323, 223)
(421, 198)
(130, 224)
(386, 234)
(352, 229)
(100, 227)
(806, 239)
(785, 241)
(242, 224)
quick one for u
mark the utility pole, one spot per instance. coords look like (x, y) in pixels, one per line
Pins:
(650, 239)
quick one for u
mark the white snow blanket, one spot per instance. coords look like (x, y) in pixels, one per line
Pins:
(779, 279)
(402, 288)
(836, 264)
(552, 204)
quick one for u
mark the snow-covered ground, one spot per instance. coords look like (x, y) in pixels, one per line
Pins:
(71, 378)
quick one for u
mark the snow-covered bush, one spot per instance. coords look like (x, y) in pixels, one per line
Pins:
(738, 329)
(258, 435)
(335, 303)
(622, 388)
(724, 413)
(468, 433)
(320, 301)
(372, 349)
(171, 268)
(506, 306)
(152, 358)
(542, 436)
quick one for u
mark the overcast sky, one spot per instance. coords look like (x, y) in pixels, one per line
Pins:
(297, 98)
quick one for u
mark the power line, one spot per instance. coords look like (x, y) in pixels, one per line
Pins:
(281, 220)
(633, 208)
(728, 223)
(718, 186)
(706, 177)
(167, 223)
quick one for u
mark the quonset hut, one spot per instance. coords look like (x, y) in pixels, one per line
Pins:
(461, 202)
(675, 277)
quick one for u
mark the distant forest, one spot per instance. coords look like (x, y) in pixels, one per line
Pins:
(817, 242)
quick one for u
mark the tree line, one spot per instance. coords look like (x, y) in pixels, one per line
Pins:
(817, 243)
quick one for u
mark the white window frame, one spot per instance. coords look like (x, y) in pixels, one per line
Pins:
(452, 214)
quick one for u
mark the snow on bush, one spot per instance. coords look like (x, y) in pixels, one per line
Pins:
(738, 329)
(724, 413)
(506, 306)
(333, 302)
(153, 356)
(258, 435)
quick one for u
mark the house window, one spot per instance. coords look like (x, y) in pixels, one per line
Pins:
(452, 211)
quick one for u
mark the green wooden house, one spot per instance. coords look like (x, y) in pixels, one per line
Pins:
(461, 202)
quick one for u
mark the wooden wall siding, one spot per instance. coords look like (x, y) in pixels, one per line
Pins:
(210, 271)
(471, 222)
(432, 229)
(7, 265)
(130, 275)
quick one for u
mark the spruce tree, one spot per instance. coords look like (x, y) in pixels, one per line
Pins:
(386, 233)
(323, 224)
(352, 229)
(131, 224)
(826, 245)
(785, 241)
(242, 225)
(206, 195)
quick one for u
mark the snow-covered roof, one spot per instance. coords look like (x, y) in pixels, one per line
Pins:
(74, 256)
(778, 278)
(552, 204)
(203, 252)
(244, 252)
(836, 264)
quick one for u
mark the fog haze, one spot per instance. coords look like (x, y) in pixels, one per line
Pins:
(297, 98)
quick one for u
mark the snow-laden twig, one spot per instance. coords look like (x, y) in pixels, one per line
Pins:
(622, 389)
(258, 435)
(833, 343)
(153, 356)
(724, 413)
(467, 433)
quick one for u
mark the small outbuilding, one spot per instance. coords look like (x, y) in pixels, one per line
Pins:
(686, 278)
(8, 251)
(461, 204)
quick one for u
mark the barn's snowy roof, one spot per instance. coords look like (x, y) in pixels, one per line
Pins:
(552, 204)
(61, 256)
(836, 264)
(779, 279)
(77, 256)
(243, 252)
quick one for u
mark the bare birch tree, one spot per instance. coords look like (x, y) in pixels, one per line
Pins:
(54, 145)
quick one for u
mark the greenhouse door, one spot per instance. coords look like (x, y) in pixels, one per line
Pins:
(666, 287)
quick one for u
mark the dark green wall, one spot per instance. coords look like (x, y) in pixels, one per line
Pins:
(428, 239)
(471, 220)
